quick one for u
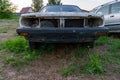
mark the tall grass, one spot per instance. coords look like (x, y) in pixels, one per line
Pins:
(17, 45)
(94, 64)
(21, 52)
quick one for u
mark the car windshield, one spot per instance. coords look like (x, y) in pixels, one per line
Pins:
(63, 8)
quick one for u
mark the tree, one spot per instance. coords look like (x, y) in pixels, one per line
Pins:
(6, 9)
(37, 4)
(54, 2)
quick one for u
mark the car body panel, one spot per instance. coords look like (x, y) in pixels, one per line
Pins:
(112, 19)
(64, 35)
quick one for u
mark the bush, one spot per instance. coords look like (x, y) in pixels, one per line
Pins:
(6, 9)
(20, 45)
(17, 45)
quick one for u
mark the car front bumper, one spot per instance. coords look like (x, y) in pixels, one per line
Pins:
(62, 35)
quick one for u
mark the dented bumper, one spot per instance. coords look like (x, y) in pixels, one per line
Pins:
(62, 35)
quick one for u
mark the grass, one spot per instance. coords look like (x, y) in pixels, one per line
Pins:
(69, 70)
(104, 40)
(80, 52)
(17, 45)
(94, 64)
(15, 18)
(73, 67)
(4, 29)
(112, 56)
(21, 53)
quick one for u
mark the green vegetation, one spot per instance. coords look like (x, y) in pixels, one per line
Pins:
(68, 70)
(94, 64)
(80, 52)
(103, 40)
(4, 29)
(12, 18)
(90, 63)
(17, 45)
(54, 2)
(113, 55)
(37, 4)
(21, 52)
(6, 9)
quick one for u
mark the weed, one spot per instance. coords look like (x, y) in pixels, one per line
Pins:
(1, 46)
(80, 53)
(111, 58)
(15, 18)
(20, 45)
(113, 55)
(32, 55)
(94, 64)
(21, 59)
(103, 40)
(4, 29)
(17, 45)
(68, 70)
(13, 60)
(115, 46)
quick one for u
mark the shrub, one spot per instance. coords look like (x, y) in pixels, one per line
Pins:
(17, 45)
(6, 9)
(20, 45)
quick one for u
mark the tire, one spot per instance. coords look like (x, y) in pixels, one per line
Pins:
(47, 24)
(32, 45)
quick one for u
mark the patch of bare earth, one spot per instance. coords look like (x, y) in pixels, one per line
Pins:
(48, 67)
(11, 32)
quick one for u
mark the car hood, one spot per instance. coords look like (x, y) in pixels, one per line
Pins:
(61, 14)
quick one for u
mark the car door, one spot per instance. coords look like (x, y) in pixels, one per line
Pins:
(114, 16)
(104, 10)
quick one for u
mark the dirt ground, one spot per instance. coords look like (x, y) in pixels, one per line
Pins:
(47, 67)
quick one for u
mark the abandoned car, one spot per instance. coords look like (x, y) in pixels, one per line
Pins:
(111, 12)
(61, 24)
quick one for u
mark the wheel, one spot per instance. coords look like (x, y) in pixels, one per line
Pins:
(32, 45)
(45, 24)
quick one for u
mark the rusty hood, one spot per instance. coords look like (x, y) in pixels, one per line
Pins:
(61, 14)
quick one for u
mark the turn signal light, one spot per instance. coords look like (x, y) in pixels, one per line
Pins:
(24, 34)
(101, 33)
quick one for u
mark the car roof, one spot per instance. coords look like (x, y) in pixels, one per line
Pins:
(106, 4)
(67, 5)
(62, 5)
